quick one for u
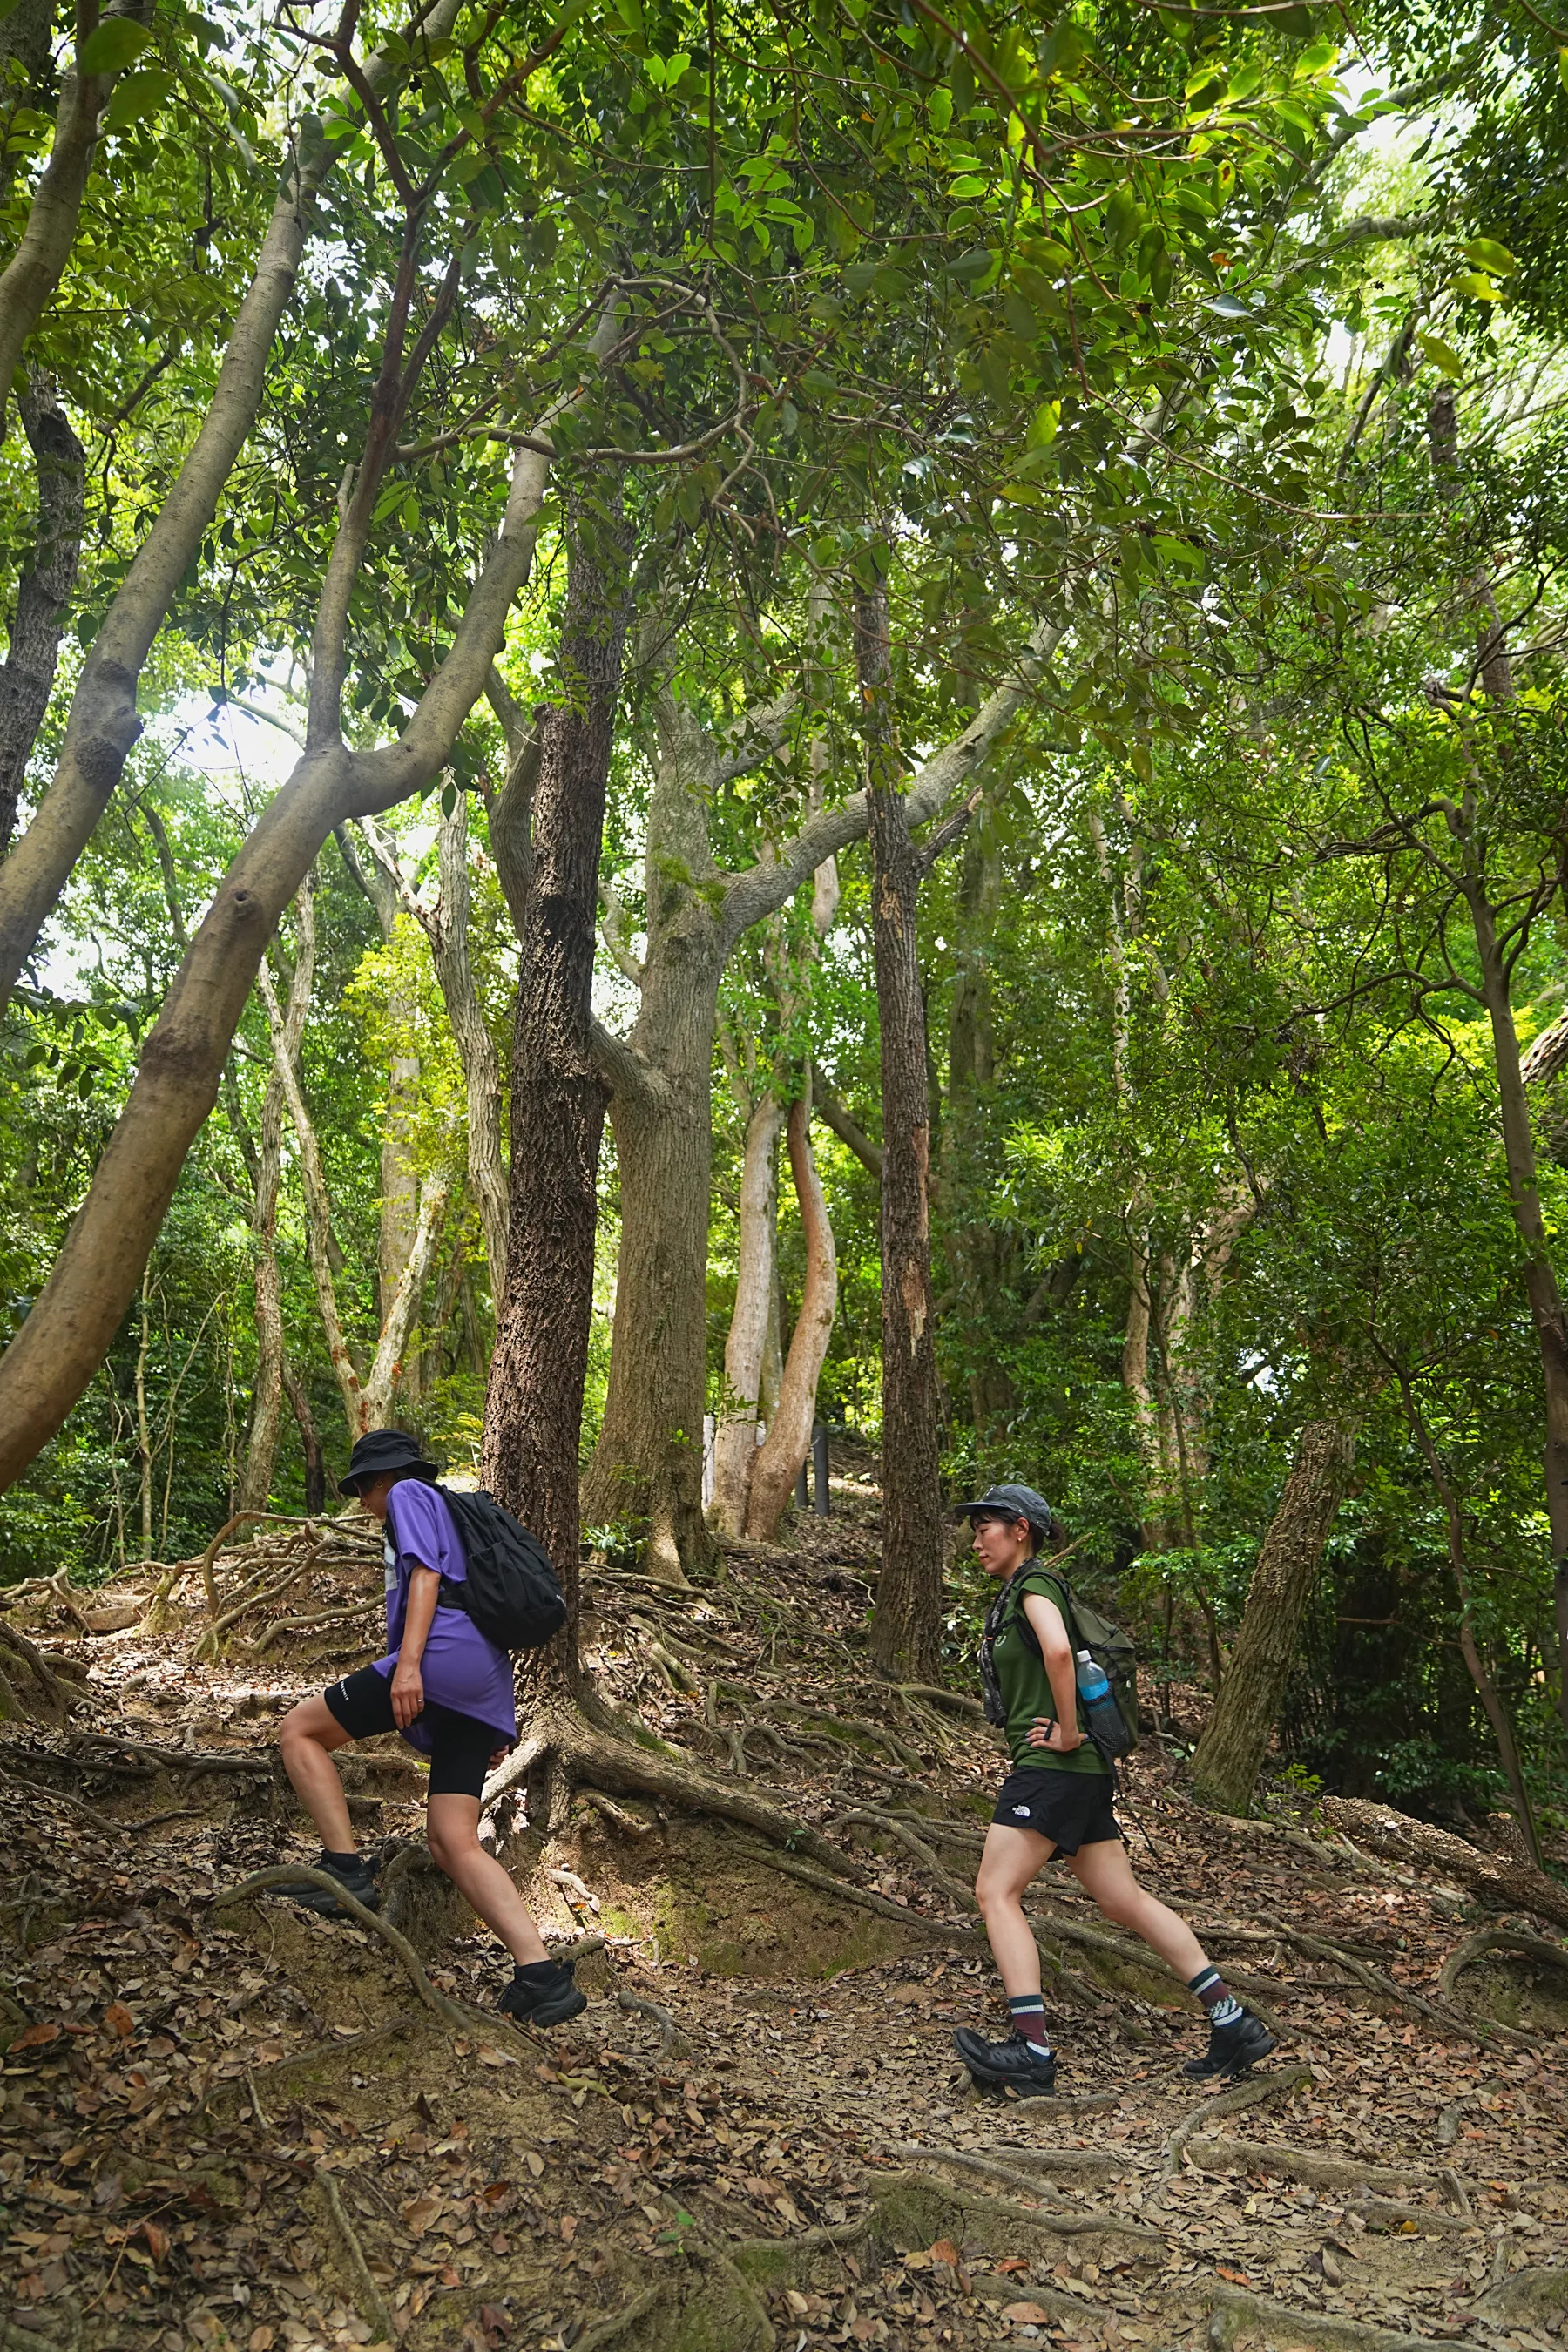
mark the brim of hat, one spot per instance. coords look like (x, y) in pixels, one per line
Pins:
(353, 1480)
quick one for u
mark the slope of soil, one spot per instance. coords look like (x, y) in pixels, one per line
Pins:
(230, 2124)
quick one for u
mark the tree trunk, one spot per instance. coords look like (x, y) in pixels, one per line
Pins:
(1539, 1275)
(788, 1442)
(906, 1635)
(267, 1394)
(310, 1440)
(533, 1413)
(43, 591)
(73, 1321)
(1230, 1753)
(756, 1294)
(103, 723)
(648, 1464)
(449, 934)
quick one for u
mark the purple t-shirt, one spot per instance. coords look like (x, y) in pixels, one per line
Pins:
(462, 1668)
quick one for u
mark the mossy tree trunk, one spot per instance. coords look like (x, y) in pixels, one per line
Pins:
(1230, 1754)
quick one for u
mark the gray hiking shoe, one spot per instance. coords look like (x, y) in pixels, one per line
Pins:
(354, 1876)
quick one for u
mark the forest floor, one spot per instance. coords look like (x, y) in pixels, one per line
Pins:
(232, 2123)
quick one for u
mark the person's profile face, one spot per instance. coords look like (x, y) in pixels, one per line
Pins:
(374, 1497)
(999, 1542)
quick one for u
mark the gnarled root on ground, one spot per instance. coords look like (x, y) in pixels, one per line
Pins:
(1502, 1939)
(30, 1689)
(1401, 1839)
(562, 1746)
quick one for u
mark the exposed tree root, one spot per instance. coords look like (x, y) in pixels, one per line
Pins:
(1375, 1980)
(281, 1625)
(1500, 1939)
(1235, 2306)
(366, 2293)
(262, 1881)
(1505, 1885)
(97, 1747)
(845, 1890)
(1020, 2168)
(563, 1737)
(673, 2042)
(30, 1689)
(1214, 2154)
(1251, 2094)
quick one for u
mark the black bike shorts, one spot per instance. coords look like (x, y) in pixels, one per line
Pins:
(1071, 1809)
(461, 1746)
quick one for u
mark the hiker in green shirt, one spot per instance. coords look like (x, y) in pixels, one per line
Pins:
(1059, 1799)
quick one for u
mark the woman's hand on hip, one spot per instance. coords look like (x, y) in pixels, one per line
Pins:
(407, 1695)
(1046, 1732)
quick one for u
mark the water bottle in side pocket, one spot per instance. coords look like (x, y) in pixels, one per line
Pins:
(1102, 1717)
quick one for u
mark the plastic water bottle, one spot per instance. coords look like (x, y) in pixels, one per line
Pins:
(1094, 1691)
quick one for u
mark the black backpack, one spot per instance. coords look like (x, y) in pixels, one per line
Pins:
(510, 1590)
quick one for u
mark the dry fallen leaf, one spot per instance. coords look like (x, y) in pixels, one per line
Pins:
(120, 2017)
(1027, 2315)
(944, 2251)
(418, 2215)
(35, 2036)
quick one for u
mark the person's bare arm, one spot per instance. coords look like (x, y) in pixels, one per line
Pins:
(1050, 1630)
(407, 1682)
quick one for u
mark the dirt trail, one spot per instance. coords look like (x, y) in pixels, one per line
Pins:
(235, 2125)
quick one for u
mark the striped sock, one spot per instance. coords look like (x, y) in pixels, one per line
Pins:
(1028, 2015)
(1215, 1995)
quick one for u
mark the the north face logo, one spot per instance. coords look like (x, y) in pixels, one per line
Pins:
(1021, 1812)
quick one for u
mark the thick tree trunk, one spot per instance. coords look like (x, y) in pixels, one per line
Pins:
(788, 1442)
(94, 1278)
(267, 1394)
(310, 1440)
(103, 723)
(756, 1297)
(42, 592)
(1539, 1274)
(533, 1413)
(906, 1635)
(449, 934)
(1230, 1753)
(29, 278)
(648, 1464)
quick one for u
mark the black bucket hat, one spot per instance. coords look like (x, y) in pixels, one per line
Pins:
(379, 1451)
(1013, 1502)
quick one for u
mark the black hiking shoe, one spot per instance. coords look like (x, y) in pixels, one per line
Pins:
(354, 1877)
(544, 1995)
(1233, 2048)
(1011, 2066)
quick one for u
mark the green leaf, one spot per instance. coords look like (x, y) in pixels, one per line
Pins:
(1476, 285)
(1441, 354)
(1486, 254)
(1243, 82)
(113, 48)
(1563, 66)
(939, 106)
(137, 96)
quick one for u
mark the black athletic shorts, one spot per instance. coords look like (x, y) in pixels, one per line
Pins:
(1072, 1808)
(461, 1746)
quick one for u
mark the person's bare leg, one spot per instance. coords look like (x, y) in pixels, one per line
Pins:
(452, 1827)
(307, 1737)
(1012, 1859)
(1104, 1872)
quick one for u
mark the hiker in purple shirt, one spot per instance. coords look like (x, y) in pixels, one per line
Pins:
(447, 1689)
